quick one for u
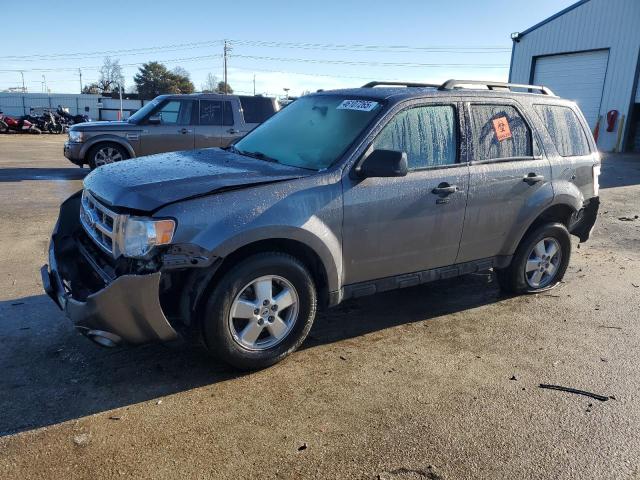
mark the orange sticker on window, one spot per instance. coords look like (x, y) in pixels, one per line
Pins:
(501, 126)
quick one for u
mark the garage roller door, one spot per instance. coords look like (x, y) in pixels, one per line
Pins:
(576, 76)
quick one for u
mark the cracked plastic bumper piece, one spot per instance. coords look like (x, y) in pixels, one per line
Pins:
(127, 310)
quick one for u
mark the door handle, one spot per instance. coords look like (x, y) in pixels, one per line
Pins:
(232, 131)
(533, 178)
(445, 189)
(184, 130)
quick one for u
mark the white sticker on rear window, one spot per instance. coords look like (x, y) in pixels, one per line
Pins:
(361, 105)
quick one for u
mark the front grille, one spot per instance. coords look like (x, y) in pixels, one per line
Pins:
(100, 223)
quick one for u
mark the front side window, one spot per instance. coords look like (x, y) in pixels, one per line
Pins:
(565, 130)
(427, 134)
(175, 112)
(312, 132)
(499, 131)
(216, 112)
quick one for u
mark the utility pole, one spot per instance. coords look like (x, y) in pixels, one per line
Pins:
(226, 49)
(80, 72)
(44, 84)
(24, 90)
(254, 84)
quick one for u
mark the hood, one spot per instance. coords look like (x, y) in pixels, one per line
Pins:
(148, 183)
(104, 126)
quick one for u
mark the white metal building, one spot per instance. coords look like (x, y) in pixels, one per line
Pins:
(590, 53)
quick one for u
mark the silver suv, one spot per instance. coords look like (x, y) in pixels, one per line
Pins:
(166, 124)
(342, 194)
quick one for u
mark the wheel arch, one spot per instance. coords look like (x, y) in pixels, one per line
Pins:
(560, 212)
(106, 139)
(201, 281)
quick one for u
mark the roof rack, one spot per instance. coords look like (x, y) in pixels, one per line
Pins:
(451, 84)
(399, 84)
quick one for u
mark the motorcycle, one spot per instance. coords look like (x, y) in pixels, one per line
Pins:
(19, 125)
(66, 118)
(50, 123)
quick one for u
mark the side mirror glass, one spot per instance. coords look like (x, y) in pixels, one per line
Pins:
(384, 163)
(154, 120)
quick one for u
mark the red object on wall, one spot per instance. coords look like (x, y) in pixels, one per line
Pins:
(596, 131)
(612, 116)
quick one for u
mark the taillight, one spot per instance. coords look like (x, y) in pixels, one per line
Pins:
(596, 184)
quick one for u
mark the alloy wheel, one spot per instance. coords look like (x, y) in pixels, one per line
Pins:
(107, 155)
(543, 263)
(263, 313)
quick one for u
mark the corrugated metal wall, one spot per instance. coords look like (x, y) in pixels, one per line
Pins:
(596, 24)
(21, 103)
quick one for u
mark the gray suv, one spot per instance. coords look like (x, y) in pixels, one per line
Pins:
(166, 124)
(342, 194)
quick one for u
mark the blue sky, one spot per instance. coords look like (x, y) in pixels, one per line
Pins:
(459, 39)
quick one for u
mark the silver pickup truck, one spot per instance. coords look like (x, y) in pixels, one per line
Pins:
(167, 124)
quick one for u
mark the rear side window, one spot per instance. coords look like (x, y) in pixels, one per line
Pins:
(257, 109)
(427, 134)
(499, 131)
(565, 130)
(215, 112)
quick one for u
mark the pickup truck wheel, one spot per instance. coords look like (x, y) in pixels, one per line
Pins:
(540, 261)
(260, 311)
(105, 153)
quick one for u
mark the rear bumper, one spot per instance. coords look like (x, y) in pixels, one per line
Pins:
(72, 152)
(126, 310)
(585, 219)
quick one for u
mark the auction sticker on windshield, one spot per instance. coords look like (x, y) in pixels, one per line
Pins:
(361, 105)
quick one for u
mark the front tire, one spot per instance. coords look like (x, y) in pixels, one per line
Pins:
(540, 261)
(260, 311)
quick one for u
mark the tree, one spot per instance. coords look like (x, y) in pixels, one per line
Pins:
(111, 77)
(210, 84)
(221, 88)
(155, 79)
(92, 88)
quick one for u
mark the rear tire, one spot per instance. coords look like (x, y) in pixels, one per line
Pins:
(540, 261)
(241, 320)
(105, 153)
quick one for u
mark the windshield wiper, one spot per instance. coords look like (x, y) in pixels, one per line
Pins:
(258, 155)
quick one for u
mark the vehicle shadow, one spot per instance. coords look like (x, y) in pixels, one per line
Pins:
(52, 374)
(20, 174)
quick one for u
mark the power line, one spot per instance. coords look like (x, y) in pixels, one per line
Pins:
(58, 56)
(373, 63)
(266, 44)
(363, 48)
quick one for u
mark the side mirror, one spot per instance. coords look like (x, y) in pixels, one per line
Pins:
(154, 120)
(384, 163)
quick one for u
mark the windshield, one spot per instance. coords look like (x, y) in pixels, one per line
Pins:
(312, 132)
(140, 114)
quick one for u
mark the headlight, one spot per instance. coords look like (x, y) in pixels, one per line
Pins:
(75, 136)
(596, 182)
(140, 235)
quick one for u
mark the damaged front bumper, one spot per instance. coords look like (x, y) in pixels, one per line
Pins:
(126, 309)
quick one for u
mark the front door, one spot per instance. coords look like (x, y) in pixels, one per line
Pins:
(408, 224)
(175, 130)
(509, 179)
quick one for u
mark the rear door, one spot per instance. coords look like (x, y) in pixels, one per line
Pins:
(509, 178)
(401, 225)
(217, 123)
(175, 130)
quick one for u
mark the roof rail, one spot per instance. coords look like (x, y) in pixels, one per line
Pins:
(400, 84)
(451, 84)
